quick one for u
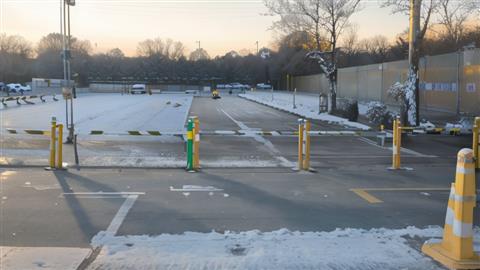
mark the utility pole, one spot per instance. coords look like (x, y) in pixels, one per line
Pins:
(199, 44)
(257, 47)
(414, 52)
(66, 56)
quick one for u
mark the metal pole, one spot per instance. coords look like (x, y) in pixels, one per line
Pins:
(294, 96)
(69, 72)
(62, 32)
(458, 83)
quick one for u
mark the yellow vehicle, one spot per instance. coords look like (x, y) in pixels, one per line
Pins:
(215, 94)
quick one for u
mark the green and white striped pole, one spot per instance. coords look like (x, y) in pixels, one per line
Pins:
(190, 145)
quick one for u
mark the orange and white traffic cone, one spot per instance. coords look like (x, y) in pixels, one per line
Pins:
(456, 248)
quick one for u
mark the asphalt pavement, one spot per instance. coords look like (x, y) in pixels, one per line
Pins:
(246, 183)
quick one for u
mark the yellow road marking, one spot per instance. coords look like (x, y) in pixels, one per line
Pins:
(366, 196)
(363, 192)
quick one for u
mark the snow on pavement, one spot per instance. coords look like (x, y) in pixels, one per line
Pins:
(307, 106)
(31, 258)
(283, 249)
(108, 112)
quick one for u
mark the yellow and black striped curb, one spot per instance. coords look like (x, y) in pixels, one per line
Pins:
(204, 133)
(157, 133)
(25, 99)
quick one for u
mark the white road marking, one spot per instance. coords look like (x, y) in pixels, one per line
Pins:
(270, 147)
(42, 187)
(117, 221)
(192, 188)
(121, 214)
(105, 193)
(405, 150)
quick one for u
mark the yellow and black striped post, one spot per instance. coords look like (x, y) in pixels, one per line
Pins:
(196, 143)
(476, 142)
(456, 248)
(53, 141)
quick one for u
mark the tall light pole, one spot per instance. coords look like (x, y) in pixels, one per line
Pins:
(257, 47)
(66, 56)
(199, 44)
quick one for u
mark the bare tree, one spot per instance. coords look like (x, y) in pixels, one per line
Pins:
(199, 54)
(323, 19)
(378, 47)
(15, 53)
(115, 53)
(49, 62)
(350, 40)
(428, 9)
(158, 48)
(453, 16)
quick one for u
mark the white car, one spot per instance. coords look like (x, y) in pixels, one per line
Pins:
(138, 88)
(18, 88)
(264, 86)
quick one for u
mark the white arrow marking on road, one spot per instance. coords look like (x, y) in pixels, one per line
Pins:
(193, 188)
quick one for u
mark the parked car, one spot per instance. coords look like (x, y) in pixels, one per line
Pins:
(18, 88)
(220, 86)
(264, 86)
(138, 88)
(2, 86)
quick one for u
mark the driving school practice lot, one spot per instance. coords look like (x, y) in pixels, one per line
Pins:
(351, 187)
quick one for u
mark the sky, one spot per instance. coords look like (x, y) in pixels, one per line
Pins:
(220, 25)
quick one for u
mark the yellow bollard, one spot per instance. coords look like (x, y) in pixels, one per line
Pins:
(399, 145)
(53, 139)
(456, 248)
(476, 142)
(196, 143)
(306, 160)
(60, 147)
(396, 145)
(300, 143)
(382, 128)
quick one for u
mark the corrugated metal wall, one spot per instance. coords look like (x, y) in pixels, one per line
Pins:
(449, 82)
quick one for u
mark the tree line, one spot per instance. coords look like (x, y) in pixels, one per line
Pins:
(302, 26)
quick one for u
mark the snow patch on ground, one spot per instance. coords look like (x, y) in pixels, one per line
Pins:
(282, 249)
(306, 106)
(26, 258)
(108, 112)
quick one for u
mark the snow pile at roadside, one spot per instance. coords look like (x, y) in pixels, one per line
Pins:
(283, 249)
(306, 106)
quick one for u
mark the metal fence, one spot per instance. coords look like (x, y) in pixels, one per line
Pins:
(448, 83)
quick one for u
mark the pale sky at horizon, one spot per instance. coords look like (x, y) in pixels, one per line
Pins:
(221, 26)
